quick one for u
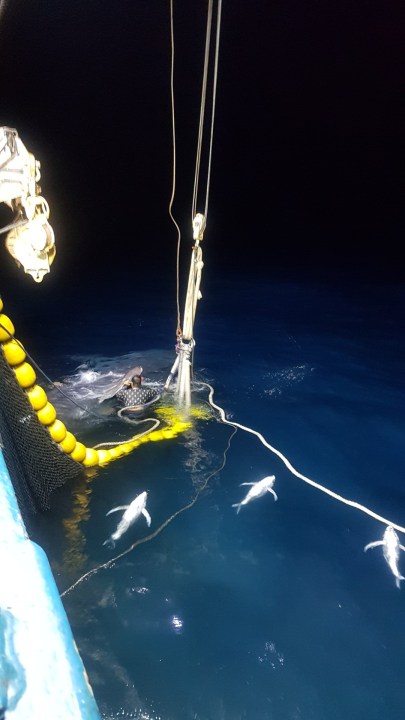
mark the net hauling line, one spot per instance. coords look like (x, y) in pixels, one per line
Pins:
(236, 426)
(182, 366)
(289, 466)
(155, 422)
(183, 363)
(155, 533)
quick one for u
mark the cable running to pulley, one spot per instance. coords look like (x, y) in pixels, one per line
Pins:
(185, 335)
(202, 110)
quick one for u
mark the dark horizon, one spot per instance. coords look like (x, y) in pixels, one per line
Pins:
(307, 170)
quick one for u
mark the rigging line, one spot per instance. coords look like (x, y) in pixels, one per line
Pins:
(48, 379)
(214, 94)
(178, 330)
(13, 225)
(202, 110)
(295, 472)
(147, 538)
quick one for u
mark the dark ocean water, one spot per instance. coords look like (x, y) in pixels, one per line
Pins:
(275, 613)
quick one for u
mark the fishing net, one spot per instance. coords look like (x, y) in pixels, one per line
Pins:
(35, 463)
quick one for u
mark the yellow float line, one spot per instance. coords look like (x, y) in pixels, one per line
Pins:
(46, 413)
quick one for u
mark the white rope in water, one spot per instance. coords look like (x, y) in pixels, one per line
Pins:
(115, 443)
(295, 472)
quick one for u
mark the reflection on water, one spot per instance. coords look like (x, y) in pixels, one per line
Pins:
(272, 614)
(79, 396)
(74, 557)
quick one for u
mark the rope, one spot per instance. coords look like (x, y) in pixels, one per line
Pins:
(156, 423)
(295, 472)
(13, 225)
(156, 532)
(178, 330)
(202, 110)
(214, 94)
(200, 134)
(85, 410)
(48, 379)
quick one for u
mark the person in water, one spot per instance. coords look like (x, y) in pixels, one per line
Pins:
(132, 394)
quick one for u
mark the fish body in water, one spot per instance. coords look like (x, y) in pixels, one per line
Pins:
(258, 489)
(131, 514)
(391, 550)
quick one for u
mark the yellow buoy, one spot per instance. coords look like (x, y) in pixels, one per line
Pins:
(57, 431)
(155, 436)
(6, 328)
(25, 374)
(14, 352)
(104, 456)
(116, 452)
(68, 443)
(79, 452)
(47, 415)
(37, 397)
(91, 457)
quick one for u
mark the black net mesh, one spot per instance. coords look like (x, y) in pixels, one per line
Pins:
(36, 464)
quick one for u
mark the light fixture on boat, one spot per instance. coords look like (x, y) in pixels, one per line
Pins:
(31, 240)
(33, 246)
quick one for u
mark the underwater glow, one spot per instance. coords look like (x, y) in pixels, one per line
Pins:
(177, 623)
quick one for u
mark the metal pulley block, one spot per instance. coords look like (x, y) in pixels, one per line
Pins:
(199, 223)
(33, 245)
(31, 240)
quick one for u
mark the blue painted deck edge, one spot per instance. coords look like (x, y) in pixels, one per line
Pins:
(18, 542)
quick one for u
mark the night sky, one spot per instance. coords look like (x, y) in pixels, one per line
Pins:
(308, 171)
